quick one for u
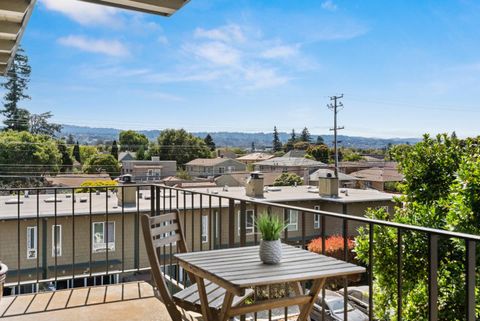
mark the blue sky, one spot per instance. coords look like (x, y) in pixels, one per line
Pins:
(405, 67)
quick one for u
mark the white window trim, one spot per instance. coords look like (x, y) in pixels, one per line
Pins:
(33, 248)
(221, 170)
(205, 228)
(316, 218)
(292, 227)
(58, 248)
(101, 247)
(252, 229)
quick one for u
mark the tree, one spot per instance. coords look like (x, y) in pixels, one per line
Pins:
(18, 77)
(276, 144)
(102, 163)
(253, 147)
(320, 153)
(131, 140)
(320, 140)
(209, 142)
(301, 145)
(305, 135)
(441, 190)
(140, 153)
(87, 152)
(27, 154)
(293, 136)
(67, 161)
(70, 139)
(178, 145)
(288, 179)
(39, 124)
(114, 150)
(76, 153)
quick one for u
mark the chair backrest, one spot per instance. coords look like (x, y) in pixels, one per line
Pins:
(159, 231)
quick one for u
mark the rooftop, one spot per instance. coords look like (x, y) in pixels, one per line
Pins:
(46, 204)
(323, 172)
(290, 161)
(255, 157)
(378, 174)
(208, 161)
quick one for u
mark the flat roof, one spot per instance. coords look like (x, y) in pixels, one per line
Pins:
(99, 206)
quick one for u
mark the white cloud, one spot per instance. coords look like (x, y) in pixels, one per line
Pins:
(107, 47)
(329, 5)
(228, 33)
(83, 12)
(281, 51)
(217, 53)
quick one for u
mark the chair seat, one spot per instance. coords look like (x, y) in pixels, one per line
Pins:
(189, 298)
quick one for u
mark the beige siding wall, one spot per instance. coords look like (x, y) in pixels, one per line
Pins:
(218, 235)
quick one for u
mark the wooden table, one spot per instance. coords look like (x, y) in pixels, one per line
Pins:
(238, 269)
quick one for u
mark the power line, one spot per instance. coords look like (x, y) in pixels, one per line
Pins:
(336, 107)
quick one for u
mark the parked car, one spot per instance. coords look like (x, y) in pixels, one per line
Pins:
(334, 307)
(358, 297)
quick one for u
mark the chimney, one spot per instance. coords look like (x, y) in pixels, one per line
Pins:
(254, 185)
(127, 195)
(155, 158)
(328, 186)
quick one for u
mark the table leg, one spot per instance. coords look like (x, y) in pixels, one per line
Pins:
(206, 313)
(298, 290)
(226, 306)
(314, 291)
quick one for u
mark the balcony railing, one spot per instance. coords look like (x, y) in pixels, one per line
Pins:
(54, 238)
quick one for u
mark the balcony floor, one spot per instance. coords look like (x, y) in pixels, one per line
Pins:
(128, 301)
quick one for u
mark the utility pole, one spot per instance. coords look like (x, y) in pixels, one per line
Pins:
(336, 106)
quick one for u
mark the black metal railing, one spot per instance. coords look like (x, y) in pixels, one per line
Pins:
(88, 254)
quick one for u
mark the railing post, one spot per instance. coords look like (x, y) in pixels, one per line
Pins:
(470, 279)
(433, 277)
(243, 223)
(231, 223)
(399, 274)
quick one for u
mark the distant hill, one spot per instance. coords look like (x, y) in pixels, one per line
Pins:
(93, 135)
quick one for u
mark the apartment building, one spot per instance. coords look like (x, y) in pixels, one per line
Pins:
(205, 167)
(68, 239)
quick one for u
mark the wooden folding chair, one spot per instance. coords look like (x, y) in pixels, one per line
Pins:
(166, 229)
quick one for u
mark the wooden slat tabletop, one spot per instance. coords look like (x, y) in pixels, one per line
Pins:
(241, 268)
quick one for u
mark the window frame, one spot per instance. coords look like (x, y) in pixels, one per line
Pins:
(292, 227)
(316, 218)
(58, 248)
(33, 243)
(205, 228)
(247, 228)
(106, 245)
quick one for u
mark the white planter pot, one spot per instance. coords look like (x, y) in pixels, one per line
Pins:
(3, 277)
(271, 251)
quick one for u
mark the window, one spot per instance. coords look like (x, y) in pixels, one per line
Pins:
(316, 218)
(100, 233)
(249, 222)
(56, 240)
(292, 220)
(31, 242)
(204, 228)
(230, 169)
(221, 170)
(158, 172)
